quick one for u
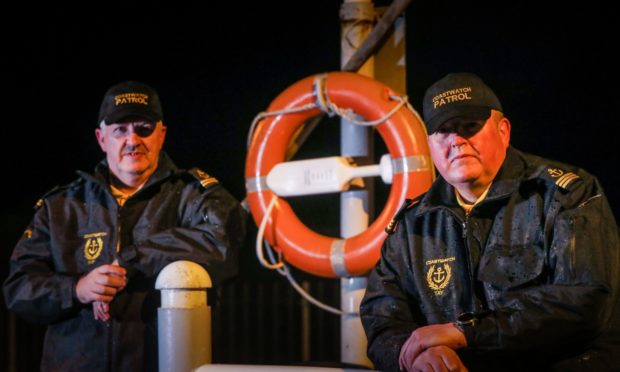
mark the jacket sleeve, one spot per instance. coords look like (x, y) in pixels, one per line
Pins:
(385, 312)
(575, 303)
(211, 232)
(33, 289)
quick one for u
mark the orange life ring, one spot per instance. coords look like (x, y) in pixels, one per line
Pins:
(405, 138)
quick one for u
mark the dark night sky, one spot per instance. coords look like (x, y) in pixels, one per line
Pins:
(553, 69)
(215, 69)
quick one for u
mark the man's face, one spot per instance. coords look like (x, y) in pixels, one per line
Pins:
(469, 153)
(132, 148)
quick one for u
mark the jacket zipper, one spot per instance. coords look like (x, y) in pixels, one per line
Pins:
(113, 340)
(470, 272)
(464, 225)
(110, 326)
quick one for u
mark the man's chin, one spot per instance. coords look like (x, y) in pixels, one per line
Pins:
(135, 171)
(463, 178)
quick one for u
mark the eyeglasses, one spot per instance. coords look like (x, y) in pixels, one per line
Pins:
(143, 129)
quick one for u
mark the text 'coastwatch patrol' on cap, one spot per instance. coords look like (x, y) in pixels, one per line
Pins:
(462, 95)
(130, 99)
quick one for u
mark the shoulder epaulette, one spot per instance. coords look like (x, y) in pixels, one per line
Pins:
(202, 177)
(408, 204)
(561, 178)
(27, 233)
(38, 204)
(56, 189)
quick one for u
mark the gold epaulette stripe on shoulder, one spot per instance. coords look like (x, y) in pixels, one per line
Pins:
(207, 181)
(391, 227)
(204, 178)
(566, 179)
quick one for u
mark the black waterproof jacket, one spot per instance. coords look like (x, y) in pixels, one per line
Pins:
(177, 215)
(537, 261)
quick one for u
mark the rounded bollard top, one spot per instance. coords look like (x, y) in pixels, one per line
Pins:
(183, 275)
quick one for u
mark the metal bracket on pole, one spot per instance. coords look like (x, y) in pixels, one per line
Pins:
(377, 36)
(367, 49)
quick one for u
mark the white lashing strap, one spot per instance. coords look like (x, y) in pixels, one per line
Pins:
(318, 88)
(256, 184)
(336, 257)
(410, 164)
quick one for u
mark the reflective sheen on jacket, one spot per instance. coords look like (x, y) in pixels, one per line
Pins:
(537, 260)
(79, 227)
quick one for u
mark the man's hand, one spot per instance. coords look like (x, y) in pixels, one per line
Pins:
(101, 284)
(437, 359)
(428, 336)
(101, 310)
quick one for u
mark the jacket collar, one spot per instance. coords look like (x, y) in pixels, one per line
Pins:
(511, 173)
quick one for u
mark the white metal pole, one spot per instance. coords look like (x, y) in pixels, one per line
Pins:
(357, 17)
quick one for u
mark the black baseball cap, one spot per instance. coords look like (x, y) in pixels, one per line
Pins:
(462, 95)
(130, 99)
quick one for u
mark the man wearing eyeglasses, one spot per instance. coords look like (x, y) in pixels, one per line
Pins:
(87, 263)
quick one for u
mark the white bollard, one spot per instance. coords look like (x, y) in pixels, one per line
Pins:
(184, 319)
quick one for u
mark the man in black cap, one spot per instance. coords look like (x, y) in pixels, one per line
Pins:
(87, 263)
(510, 262)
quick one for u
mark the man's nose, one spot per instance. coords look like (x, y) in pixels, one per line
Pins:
(132, 136)
(456, 139)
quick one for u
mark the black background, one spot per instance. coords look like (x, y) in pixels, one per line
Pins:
(217, 65)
